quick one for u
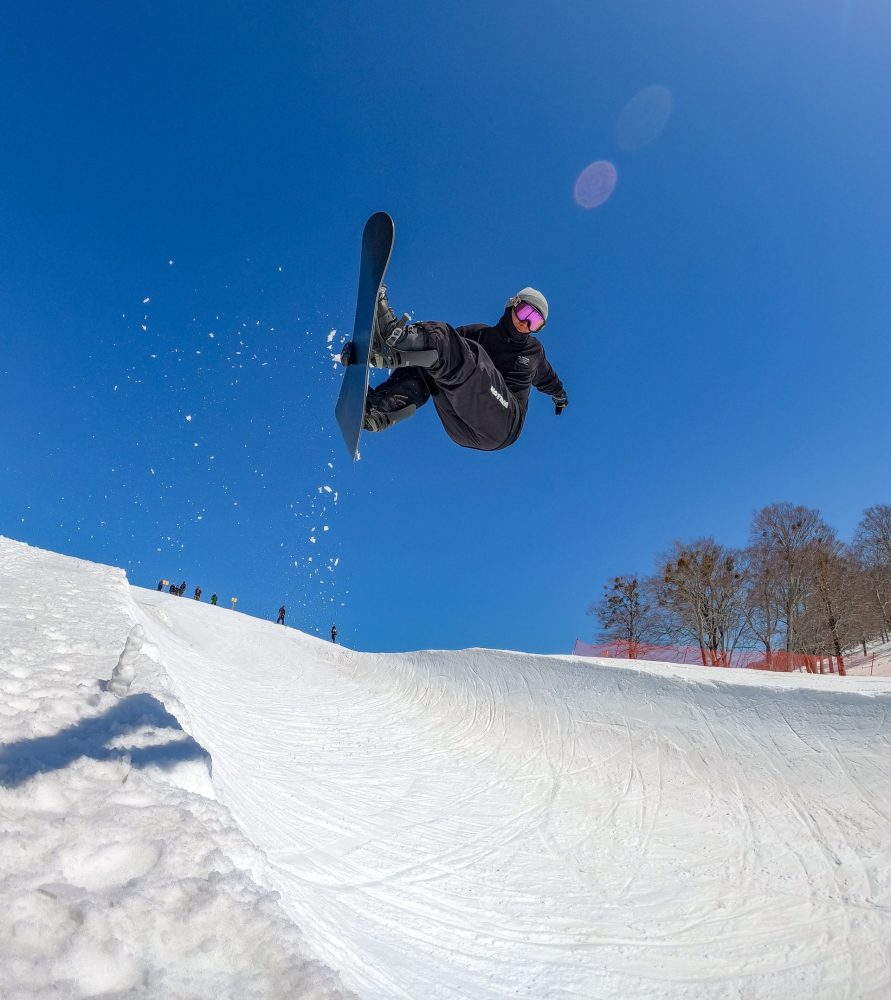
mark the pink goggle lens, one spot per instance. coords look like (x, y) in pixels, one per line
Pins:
(529, 314)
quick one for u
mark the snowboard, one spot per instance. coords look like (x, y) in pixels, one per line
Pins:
(377, 245)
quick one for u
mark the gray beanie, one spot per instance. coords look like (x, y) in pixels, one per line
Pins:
(533, 297)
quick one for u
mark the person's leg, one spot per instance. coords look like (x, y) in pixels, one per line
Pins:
(397, 399)
(474, 404)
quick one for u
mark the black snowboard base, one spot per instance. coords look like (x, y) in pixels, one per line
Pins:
(377, 245)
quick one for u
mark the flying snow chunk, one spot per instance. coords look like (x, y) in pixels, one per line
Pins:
(188, 417)
(331, 337)
(146, 299)
(595, 184)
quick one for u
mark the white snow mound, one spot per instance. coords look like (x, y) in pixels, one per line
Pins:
(473, 824)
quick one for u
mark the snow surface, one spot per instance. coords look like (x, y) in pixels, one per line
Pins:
(876, 662)
(258, 813)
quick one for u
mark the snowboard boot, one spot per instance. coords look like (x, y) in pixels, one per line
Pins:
(397, 343)
(386, 323)
(377, 418)
(394, 401)
(412, 354)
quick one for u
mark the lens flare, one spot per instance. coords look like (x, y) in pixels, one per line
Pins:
(643, 117)
(595, 184)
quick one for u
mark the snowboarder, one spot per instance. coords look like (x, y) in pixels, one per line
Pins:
(334, 633)
(213, 599)
(281, 615)
(479, 376)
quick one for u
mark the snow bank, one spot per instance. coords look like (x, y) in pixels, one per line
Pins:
(120, 874)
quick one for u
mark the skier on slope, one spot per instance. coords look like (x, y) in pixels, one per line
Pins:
(479, 376)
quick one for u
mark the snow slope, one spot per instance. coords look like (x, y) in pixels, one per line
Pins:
(875, 663)
(471, 824)
(120, 875)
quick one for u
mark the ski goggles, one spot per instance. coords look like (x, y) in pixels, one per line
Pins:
(529, 314)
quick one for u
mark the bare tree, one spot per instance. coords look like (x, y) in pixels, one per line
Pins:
(872, 547)
(786, 533)
(701, 590)
(625, 613)
(873, 534)
(795, 589)
(764, 596)
(829, 620)
(869, 614)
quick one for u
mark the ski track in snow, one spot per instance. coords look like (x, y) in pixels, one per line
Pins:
(482, 824)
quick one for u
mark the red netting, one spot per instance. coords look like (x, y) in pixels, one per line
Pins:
(747, 658)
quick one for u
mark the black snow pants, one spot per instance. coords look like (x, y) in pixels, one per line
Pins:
(474, 404)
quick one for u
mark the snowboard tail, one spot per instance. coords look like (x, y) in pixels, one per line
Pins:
(377, 245)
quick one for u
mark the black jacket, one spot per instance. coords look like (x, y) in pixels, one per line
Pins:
(519, 357)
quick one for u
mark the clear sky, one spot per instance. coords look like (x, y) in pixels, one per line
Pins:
(182, 194)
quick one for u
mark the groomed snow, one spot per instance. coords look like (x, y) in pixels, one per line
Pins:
(471, 824)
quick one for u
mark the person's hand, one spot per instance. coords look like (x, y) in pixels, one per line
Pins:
(560, 403)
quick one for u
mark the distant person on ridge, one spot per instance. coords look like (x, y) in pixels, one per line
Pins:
(160, 584)
(173, 590)
(479, 376)
(213, 598)
(197, 593)
(182, 588)
(281, 615)
(334, 633)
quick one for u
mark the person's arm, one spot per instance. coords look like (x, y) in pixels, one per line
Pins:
(548, 382)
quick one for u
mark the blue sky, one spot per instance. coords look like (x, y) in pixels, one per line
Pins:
(720, 323)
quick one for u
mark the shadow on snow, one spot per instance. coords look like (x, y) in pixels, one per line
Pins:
(89, 738)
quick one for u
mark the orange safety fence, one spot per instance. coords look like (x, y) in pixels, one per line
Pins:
(748, 659)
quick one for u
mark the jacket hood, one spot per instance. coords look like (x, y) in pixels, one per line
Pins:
(506, 326)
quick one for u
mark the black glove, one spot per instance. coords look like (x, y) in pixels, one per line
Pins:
(560, 403)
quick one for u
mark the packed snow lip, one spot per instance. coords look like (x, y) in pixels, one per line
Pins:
(120, 871)
(309, 820)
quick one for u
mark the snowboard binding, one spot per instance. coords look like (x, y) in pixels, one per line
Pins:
(387, 328)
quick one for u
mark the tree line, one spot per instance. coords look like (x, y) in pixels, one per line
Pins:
(795, 590)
